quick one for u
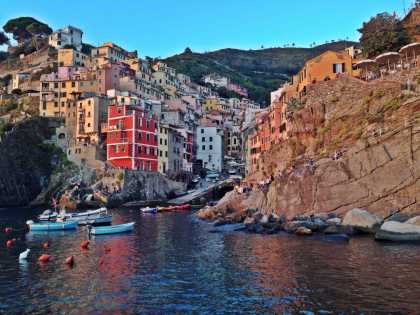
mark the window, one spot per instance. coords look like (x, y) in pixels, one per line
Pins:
(156, 138)
(211, 139)
(202, 130)
(148, 136)
(56, 85)
(203, 147)
(203, 139)
(116, 148)
(73, 84)
(161, 142)
(63, 84)
(55, 104)
(211, 147)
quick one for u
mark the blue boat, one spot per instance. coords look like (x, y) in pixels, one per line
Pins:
(51, 226)
(113, 229)
(149, 210)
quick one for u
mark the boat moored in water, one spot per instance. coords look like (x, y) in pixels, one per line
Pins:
(48, 215)
(148, 210)
(51, 226)
(113, 229)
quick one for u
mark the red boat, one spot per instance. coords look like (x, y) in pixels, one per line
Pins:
(184, 207)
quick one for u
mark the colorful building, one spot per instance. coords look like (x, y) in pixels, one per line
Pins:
(132, 138)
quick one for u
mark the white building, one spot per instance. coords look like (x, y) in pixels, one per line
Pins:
(69, 35)
(210, 147)
(216, 80)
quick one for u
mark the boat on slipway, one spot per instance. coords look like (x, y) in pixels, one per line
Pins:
(51, 226)
(113, 229)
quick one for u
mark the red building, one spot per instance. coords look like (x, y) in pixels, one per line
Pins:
(132, 138)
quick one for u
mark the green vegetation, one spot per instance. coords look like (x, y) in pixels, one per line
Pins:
(259, 71)
(382, 33)
(23, 28)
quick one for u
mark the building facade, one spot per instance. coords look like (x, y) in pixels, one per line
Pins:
(210, 148)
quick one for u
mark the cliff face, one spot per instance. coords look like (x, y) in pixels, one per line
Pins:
(145, 186)
(376, 129)
(25, 163)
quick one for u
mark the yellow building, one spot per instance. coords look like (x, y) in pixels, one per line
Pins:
(327, 66)
(110, 52)
(211, 104)
(71, 57)
(57, 94)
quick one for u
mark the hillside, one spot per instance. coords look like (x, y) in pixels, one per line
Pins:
(378, 134)
(260, 71)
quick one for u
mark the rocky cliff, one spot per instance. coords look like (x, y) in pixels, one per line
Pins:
(26, 163)
(145, 186)
(373, 129)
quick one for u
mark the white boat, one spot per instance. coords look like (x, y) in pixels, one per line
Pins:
(88, 217)
(48, 215)
(51, 226)
(149, 210)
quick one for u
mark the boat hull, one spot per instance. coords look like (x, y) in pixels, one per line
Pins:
(113, 229)
(53, 226)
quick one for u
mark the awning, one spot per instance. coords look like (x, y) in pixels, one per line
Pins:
(410, 47)
(365, 63)
(388, 58)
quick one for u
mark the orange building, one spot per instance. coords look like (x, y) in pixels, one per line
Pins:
(327, 66)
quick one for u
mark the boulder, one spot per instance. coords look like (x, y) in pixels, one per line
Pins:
(399, 217)
(414, 220)
(265, 219)
(362, 220)
(334, 221)
(339, 229)
(301, 230)
(398, 232)
(249, 220)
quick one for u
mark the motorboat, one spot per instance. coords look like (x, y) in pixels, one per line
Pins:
(148, 210)
(51, 226)
(48, 215)
(113, 229)
(88, 217)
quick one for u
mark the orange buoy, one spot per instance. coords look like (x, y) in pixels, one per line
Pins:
(9, 243)
(70, 261)
(45, 245)
(84, 244)
(44, 258)
(8, 230)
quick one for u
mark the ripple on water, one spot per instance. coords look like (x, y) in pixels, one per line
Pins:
(172, 264)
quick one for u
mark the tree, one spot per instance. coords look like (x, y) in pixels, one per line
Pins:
(382, 33)
(23, 28)
(4, 40)
(188, 50)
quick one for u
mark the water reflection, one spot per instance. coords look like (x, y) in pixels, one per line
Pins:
(172, 264)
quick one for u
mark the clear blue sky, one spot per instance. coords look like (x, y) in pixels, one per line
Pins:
(160, 28)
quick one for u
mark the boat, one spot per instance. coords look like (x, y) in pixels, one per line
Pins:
(148, 210)
(88, 217)
(48, 215)
(166, 209)
(51, 226)
(113, 229)
(183, 207)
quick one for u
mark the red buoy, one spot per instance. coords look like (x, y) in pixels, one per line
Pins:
(9, 243)
(8, 230)
(44, 258)
(70, 261)
(84, 244)
(45, 245)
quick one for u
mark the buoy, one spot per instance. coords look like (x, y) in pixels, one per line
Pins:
(70, 261)
(44, 258)
(9, 243)
(84, 244)
(24, 255)
(8, 230)
(46, 245)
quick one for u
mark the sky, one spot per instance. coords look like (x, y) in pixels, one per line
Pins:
(161, 28)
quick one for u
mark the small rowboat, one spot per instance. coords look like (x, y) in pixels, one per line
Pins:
(48, 215)
(51, 226)
(166, 209)
(113, 229)
(148, 210)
